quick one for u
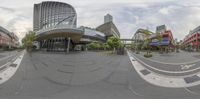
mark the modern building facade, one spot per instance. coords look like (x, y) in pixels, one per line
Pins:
(167, 39)
(92, 35)
(53, 14)
(55, 24)
(108, 18)
(192, 40)
(140, 35)
(161, 29)
(162, 38)
(109, 28)
(8, 40)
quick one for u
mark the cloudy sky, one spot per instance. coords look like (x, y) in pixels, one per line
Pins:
(179, 15)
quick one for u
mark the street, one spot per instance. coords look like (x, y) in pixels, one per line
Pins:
(84, 75)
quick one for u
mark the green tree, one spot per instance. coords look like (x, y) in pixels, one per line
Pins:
(159, 38)
(147, 43)
(177, 46)
(27, 41)
(92, 46)
(113, 43)
(95, 45)
(106, 46)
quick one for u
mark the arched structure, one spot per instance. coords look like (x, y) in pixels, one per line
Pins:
(55, 25)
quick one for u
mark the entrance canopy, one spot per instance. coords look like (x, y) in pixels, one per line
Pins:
(74, 34)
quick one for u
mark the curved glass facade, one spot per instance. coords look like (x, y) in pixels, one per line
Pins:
(55, 25)
(54, 14)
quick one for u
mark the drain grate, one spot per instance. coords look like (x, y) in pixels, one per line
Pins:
(192, 79)
(145, 72)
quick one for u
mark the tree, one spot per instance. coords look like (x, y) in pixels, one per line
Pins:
(27, 41)
(159, 38)
(95, 45)
(147, 43)
(113, 42)
(177, 47)
(92, 46)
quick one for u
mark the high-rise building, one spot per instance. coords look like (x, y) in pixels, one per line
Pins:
(55, 24)
(8, 39)
(191, 42)
(109, 28)
(108, 18)
(161, 29)
(53, 14)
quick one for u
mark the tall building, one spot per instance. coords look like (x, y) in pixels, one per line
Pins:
(167, 38)
(109, 28)
(53, 14)
(8, 40)
(108, 18)
(192, 40)
(161, 29)
(55, 24)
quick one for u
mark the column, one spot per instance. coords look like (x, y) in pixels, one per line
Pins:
(197, 43)
(68, 44)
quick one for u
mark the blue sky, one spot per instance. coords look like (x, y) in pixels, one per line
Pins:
(179, 15)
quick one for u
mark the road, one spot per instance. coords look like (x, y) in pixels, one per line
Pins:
(85, 75)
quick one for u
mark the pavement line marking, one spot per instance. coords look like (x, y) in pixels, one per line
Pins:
(183, 67)
(133, 91)
(174, 63)
(191, 92)
(165, 71)
(11, 70)
(160, 80)
(168, 75)
(8, 57)
(8, 63)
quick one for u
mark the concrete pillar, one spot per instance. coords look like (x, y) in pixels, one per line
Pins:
(68, 44)
(197, 45)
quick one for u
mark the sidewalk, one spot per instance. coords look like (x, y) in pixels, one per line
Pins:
(173, 57)
(164, 80)
(9, 69)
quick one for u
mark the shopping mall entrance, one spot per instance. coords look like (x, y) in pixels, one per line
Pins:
(58, 44)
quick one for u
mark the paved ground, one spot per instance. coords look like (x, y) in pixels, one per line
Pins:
(85, 75)
(176, 58)
(167, 62)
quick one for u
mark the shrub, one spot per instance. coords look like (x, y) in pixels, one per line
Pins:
(148, 55)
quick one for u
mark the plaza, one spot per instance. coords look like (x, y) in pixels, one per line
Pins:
(71, 53)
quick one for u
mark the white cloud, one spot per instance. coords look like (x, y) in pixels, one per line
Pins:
(164, 11)
(129, 15)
